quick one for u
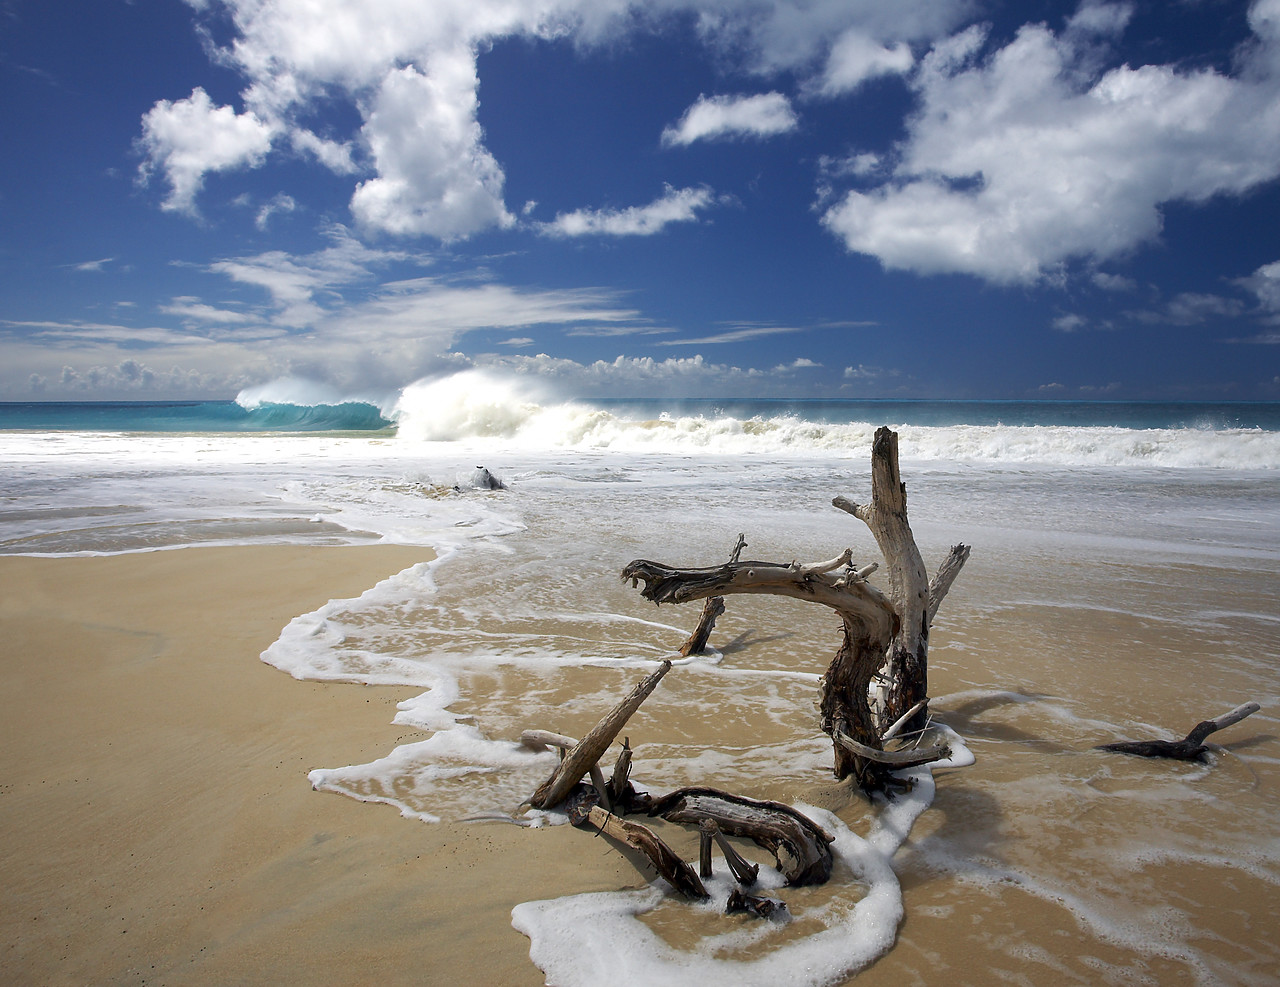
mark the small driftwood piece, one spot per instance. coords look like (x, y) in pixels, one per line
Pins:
(696, 643)
(1189, 748)
(751, 904)
(801, 847)
(668, 863)
(583, 757)
(743, 870)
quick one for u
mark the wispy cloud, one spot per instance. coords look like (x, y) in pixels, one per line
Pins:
(673, 206)
(735, 335)
(719, 117)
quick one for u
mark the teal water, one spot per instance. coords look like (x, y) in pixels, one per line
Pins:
(355, 416)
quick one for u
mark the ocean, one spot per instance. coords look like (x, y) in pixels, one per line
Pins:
(1123, 585)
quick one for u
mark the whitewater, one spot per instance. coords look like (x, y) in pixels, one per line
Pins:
(1123, 584)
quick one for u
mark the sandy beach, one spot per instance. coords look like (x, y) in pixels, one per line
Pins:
(159, 826)
(158, 823)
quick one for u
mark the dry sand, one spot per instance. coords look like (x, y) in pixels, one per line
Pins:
(158, 826)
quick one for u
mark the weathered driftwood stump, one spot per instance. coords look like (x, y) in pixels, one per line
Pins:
(881, 669)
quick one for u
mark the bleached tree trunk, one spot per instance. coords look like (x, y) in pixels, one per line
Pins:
(886, 638)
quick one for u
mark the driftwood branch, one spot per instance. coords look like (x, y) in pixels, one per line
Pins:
(858, 600)
(696, 643)
(945, 576)
(1189, 748)
(667, 862)
(589, 750)
(801, 847)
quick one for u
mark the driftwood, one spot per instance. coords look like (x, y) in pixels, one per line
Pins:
(696, 643)
(801, 847)
(668, 863)
(1189, 748)
(881, 669)
(744, 872)
(587, 752)
(750, 904)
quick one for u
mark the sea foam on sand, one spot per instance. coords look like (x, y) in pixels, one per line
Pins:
(594, 938)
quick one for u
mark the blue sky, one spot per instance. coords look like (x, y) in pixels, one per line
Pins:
(921, 199)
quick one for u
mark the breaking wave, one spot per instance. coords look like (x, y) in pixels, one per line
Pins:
(506, 411)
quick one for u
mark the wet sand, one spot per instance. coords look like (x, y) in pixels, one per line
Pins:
(159, 826)
(158, 823)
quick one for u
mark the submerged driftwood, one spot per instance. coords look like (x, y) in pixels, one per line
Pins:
(880, 671)
(800, 846)
(1189, 748)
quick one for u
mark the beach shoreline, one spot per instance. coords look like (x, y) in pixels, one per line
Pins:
(159, 826)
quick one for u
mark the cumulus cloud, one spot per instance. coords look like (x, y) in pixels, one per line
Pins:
(434, 175)
(408, 69)
(1020, 161)
(717, 117)
(673, 206)
(191, 137)
(855, 58)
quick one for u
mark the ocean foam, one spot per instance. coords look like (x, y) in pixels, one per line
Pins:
(590, 938)
(485, 405)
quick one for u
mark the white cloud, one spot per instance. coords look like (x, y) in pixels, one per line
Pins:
(408, 68)
(713, 117)
(627, 375)
(193, 311)
(735, 335)
(1192, 309)
(93, 265)
(1019, 162)
(674, 206)
(855, 58)
(280, 203)
(188, 138)
(1113, 282)
(434, 175)
(1265, 284)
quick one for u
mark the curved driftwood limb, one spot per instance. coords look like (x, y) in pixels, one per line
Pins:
(801, 847)
(1189, 748)
(589, 750)
(896, 760)
(668, 584)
